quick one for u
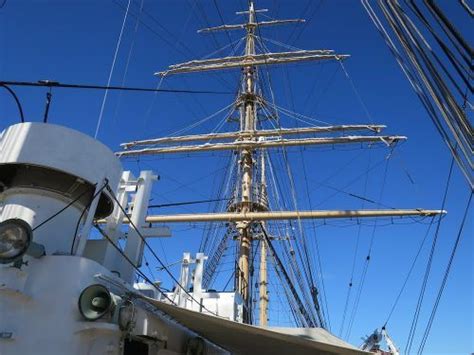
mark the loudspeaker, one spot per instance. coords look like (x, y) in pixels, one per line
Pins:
(95, 301)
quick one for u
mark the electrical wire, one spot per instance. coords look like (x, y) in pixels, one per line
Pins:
(46, 83)
(187, 203)
(17, 101)
(63, 209)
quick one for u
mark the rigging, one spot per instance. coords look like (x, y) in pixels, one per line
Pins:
(246, 211)
(445, 278)
(416, 60)
(112, 67)
(411, 334)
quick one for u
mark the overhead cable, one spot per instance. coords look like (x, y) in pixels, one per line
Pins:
(17, 101)
(47, 83)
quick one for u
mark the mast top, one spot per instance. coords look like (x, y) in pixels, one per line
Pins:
(252, 59)
(252, 22)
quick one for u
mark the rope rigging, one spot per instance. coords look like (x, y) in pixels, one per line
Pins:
(364, 199)
(423, 65)
(420, 248)
(308, 319)
(313, 288)
(445, 277)
(307, 262)
(127, 63)
(367, 259)
(414, 323)
(112, 67)
(290, 254)
(356, 250)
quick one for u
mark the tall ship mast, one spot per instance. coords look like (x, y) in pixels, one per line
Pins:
(249, 209)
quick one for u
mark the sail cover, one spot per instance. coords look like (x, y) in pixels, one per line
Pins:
(239, 338)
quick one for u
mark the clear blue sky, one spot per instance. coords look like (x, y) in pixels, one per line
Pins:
(73, 41)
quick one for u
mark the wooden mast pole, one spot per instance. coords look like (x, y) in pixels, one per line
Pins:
(246, 161)
(263, 286)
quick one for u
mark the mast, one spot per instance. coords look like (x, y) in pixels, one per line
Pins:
(247, 124)
(251, 209)
(263, 290)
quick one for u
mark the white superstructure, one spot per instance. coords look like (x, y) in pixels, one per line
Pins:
(63, 290)
(225, 304)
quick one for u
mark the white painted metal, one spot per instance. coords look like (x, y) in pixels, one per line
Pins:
(37, 144)
(34, 207)
(134, 245)
(59, 148)
(113, 229)
(39, 298)
(372, 343)
(180, 296)
(148, 290)
(83, 234)
(390, 343)
(198, 274)
(228, 305)
(39, 313)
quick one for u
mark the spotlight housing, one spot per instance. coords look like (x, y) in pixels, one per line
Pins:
(15, 238)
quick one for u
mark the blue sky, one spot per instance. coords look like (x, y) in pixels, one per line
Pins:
(73, 41)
